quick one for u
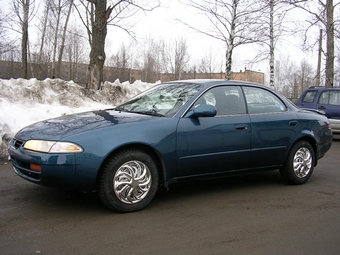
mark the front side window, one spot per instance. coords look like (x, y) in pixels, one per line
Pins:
(228, 100)
(324, 97)
(262, 101)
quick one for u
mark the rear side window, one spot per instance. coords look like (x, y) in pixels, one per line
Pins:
(309, 96)
(262, 101)
(330, 97)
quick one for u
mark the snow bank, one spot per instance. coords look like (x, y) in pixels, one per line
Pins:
(23, 102)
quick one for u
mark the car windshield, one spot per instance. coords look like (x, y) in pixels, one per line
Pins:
(162, 100)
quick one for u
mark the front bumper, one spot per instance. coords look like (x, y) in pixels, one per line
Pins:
(57, 170)
(335, 124)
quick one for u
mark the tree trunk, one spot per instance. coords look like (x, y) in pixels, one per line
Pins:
(30, 60)
(97, 54)
(55, 45)
(318, 71)
(43, 34)
(330, 44)
(24, 41)
(271, 47)
(63, 39)
(230, 44)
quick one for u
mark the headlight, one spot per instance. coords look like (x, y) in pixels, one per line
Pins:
(52, 146)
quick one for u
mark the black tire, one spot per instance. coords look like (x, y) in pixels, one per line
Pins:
(128, 181)
(300, 164)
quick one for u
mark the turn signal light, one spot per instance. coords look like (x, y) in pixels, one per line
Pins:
(35, 167)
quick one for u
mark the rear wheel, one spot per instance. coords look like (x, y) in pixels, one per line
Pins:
(128, 181)
(300, 164)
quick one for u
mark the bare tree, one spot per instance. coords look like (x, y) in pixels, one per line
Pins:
(43, 33)
(152, 62)
(207, 64)
(6, 45)
(122, 61)
(330, 56)
(337, 73)
(177, 56)
(318, 69)
(301, 76)
(285, 83)
(58, 10)
(22, 10)
(69, 5)
(76, 51)
(271, 15)
(100, 14)
(321, 14)
(232, 22)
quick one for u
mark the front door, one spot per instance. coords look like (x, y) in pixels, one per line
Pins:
(209, 145)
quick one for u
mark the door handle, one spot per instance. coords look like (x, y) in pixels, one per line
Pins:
(293, 122)
(241, 127)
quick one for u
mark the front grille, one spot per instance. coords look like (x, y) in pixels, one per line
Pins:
(17, 143)
(29, 174)
(23, 169)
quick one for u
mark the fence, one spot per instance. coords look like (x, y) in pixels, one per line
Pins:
(77, 72)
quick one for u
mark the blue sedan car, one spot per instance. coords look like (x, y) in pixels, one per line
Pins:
(172, 132)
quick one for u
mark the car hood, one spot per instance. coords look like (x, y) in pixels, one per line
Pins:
(61, 127)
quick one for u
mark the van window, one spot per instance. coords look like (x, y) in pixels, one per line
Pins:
(309, 96)
(334, 97)
(330, 97)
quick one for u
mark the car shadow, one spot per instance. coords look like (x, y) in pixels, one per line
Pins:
(51, 199)
(225, 185)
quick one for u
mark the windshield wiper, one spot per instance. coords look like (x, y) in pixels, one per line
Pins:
(150, 112)
(120, 109)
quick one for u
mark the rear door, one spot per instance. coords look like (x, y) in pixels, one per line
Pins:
(273, 126)
(329, 102)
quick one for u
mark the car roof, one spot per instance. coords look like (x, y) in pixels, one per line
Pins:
(322, 88)
(211, 82)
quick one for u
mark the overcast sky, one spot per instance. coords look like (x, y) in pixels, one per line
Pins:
(162, 23)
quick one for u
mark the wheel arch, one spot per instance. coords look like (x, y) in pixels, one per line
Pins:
(145, 148)
(312, 142)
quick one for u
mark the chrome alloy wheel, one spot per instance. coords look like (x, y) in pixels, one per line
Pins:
(132, 182)
(302, 162)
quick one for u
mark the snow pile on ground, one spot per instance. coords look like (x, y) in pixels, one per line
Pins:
(23, 102)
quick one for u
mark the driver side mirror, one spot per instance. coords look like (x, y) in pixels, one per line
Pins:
(203, 110)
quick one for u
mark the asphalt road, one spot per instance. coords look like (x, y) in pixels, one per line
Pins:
(253, 214)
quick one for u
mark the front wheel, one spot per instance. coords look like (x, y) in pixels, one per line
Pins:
(300, 164)
(128, 181)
